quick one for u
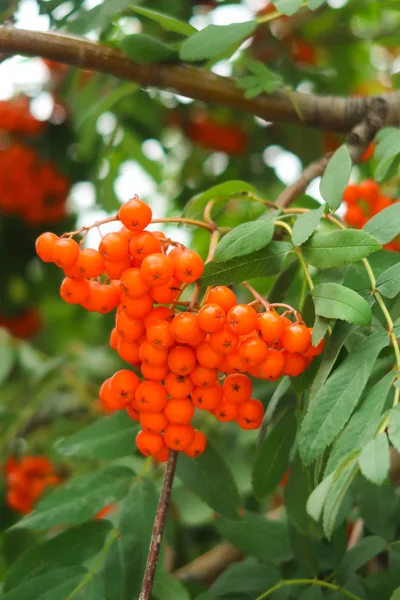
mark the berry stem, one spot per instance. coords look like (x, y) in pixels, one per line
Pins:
(158, 528)
(186, 221)
(86, 229)
(257, 296)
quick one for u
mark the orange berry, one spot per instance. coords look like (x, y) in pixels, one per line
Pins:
(314, 350)
(179, 411)
(189, 266)
(156, 269)
(114, 247)
(271, 326)
(116, 269)
(369, 191)
(178, 437)
(150, 396)
(202, 377)
(182, 360)
(166, 293)
(143, 244)
(296, 338)
(160, 313)
(211, 318)
(207, 398)
(75, 291)
(227, 411)
(252, 352)
(155, 422)
(103, 298)
(224, 341)
(135, 215)
(129, 329)
(128, 351)
(65, 252)
(155, 357)
(159, 334)
(251, 414)
(295, 364)
(242, 319)
(163, 455)
(136, 308)
(45, 246)
(207, 357)
(154, 373)
(89, 265)
(197, 445)
(149, 443)
(271, 368)
(133, 413)
(233, 364)
(184, 327)
(354, 216)
(133, 284)
(178, 386)
(351, 194)
(114, 339)
(237, 388)
(222, 296)
(198, 339)
(108, 400)
(123, 384)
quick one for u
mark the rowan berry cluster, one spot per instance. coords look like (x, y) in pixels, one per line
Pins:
(364, 201)
(185, 356)
(27, 479)
(31, 188)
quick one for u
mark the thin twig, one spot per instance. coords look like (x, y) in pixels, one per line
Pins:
(158, 528)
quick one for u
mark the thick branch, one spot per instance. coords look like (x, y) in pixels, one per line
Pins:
(158, 528)
(325, 112)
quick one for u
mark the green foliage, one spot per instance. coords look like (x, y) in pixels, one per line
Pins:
(336, 177)
(388, 282)
(248, 578)
(145, 49)
(337, 248)
(374, 459)
(221, 192)
(167, 587)
(49, 586)
(355, 558)
(387, 151)
(7, 356)
(167, 22)
(215, 40)
(245, 239)
(385, 225)
(306, 224)
(262, 80)
(335, 301)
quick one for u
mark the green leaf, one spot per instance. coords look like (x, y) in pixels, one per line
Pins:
(167, 22)
(374, 459)
(296, 494)
(70, 548)
(388, 283)
(126, 560)
(335, 301)
(263, 80)
(342, 479)
(144, 49)
(245, 239)
(273, 457)
(214, 40)
(363, 424)
(257, 536)
(334, 403)
(396, 594)
(288, 7)
(314, 4)
(355, 558)
(378, 506)
(394, 426)
(248, 578)
(108, 438)
(385, 226)
(336, 248)
(49, 586)
(283, 282)
(316, 500)
(320, 327)
(336, 177)
(211, 479)
(223, 191)
(168, 587)
(306, 224)
(79, 499)
(7, 356)
(281, 389)
(267, 261)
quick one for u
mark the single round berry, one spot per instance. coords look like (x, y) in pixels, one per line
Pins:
(189, 266)
(202, 377)
(242, 319)
(160, 313)
(295, 364)
(296, 338)
(163, 455)
(252, 351)
(124, 384)
(129, 329)
(45, 246)
(89, 264)
(271, 368)
(314, 350)
(135, 215)
(154, 373)
(103, 298)
(75, 291)
(237, 388)
(224, 341)
(251, 414)
(157, 269)
(179, 411)
(207, 398)
(222, 296)
(211, 318)
(227, 411)
(136, 308)
(149, 443)
(143, 244)
(114, 247)
(166, 293)
(133, 284)
(207, 357)
(155, 357)
(65, 252)
(154, 422)
(182, 360)
(197, 445)
(178, 437)
(128, 351)
(115, 270)
(178, 386)
(150, 396)
(159, 334)
(114, 339)
(271, 326)
(109, 401)
(184, 327)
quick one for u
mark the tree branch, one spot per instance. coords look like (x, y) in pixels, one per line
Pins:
(358, 140)
(324, 112)
(158, 528)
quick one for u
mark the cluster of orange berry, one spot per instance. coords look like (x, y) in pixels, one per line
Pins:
(363, 202)
(193, 358)
(27, 480)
